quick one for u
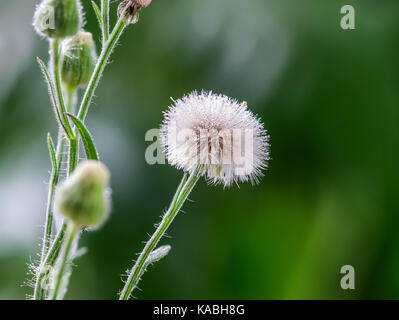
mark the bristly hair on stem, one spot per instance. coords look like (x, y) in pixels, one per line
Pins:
(105, 21)
(183, 191)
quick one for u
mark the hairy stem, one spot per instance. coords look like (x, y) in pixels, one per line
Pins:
(71, 232)
(71, 99)
(47, 262)
(182, 193)
(105, 20)
(99, 69)
(47, 265)
(55, 66)
(39, 290)
(48, 225)
(74, 139)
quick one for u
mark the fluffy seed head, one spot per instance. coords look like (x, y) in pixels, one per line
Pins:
(217, 133)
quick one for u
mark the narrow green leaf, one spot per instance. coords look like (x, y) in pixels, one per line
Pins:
(98, 13)
(51, 92)
(87, 139)
(73, 154)
(52, 155)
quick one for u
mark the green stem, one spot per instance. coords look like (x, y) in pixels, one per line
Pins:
(71, 94)
(182, 193)
(47, 261)
(47, 265)
(105, 20)
(39, 290)
(55, 64)
(99, 69)
(49, 209)
(72, 162)
(71, 233)
(74, 139)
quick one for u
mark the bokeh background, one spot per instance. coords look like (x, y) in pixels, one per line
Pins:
(328, 97)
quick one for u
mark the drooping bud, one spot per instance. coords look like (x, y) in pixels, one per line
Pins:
(82, 197)
(129, 9)
(78, 59)
(58, 18)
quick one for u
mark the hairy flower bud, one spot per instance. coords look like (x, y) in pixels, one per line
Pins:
(83, 197)
(129, 9)
(58, 18)
(78, 59)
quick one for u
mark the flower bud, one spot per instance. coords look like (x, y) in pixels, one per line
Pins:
(129, 9)
(78, 59)
(83, 197)
(58, 18)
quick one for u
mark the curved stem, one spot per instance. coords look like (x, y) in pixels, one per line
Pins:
(182, 193)
(71, 233)
(99, 69)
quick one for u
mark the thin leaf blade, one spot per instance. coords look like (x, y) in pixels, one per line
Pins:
(87, 138)
(98, 13)
(51, 91)
(53, 157)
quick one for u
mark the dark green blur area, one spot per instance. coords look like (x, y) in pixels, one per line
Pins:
(330, 101)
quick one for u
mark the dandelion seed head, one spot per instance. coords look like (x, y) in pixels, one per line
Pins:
(218, 133)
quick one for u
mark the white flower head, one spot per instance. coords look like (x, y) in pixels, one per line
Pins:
(217, 133)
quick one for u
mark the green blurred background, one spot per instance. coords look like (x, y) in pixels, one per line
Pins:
(328, 97)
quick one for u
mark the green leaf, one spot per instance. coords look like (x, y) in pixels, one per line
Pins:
(87, 139)
(52, 152)
(98, 13)
(51, 92)
(73, 154)
(52, 156)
